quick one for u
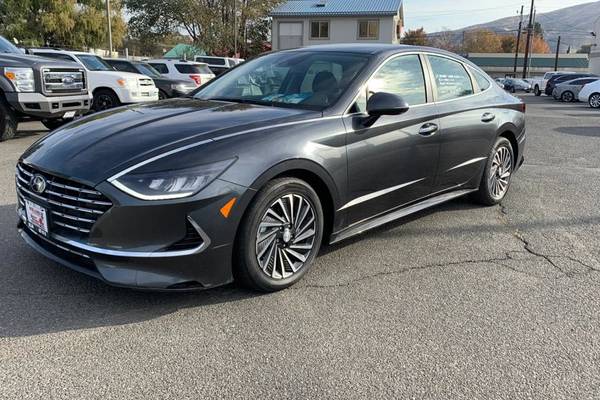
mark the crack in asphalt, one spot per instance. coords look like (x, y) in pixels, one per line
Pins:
(499, 261)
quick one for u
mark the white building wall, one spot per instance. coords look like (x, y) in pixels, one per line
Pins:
(595, 55)
(341, 30)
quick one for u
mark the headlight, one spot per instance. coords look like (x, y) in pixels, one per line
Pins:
(146, 184)
(182, 87)
(21, 78)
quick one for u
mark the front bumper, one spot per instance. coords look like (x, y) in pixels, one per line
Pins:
(143, 95)
(40, 106)
(131, 245)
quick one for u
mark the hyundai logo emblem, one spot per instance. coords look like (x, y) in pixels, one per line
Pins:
(38, 184)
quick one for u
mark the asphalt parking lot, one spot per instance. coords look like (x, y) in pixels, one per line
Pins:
(458, 302)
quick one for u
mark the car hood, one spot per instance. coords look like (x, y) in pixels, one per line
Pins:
(26, 60)
(92, 149)
(122, 74)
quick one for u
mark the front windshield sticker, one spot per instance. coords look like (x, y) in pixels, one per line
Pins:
(295, 98)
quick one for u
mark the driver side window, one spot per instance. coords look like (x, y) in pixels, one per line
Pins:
(402, 76)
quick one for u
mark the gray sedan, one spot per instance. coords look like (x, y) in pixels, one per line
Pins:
(569, 91)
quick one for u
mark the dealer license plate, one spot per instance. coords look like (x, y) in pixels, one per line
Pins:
(36, 217)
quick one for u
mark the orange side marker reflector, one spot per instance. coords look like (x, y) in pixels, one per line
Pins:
(226, 209)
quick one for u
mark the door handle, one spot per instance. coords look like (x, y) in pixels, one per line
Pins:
(488, 117)
(428, 129)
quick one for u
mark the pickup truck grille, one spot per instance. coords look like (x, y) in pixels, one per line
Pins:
(63, 81)
(72, 208)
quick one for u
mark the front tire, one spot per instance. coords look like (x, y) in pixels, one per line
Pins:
(279, 236)
(105, 99)
(162, 95)
(537, 91)
(495, 181)
(595, 100)
(8, 121)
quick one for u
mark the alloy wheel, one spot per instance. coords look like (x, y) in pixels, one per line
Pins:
(286, 236)
(567, 97)
(500, 172)
(595, 101)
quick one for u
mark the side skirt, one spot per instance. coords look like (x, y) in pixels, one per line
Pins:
(393, 215)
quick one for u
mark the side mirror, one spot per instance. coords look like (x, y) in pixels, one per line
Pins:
(386, 104)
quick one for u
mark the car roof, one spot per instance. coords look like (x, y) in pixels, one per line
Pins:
(370, 48)
(159, 60)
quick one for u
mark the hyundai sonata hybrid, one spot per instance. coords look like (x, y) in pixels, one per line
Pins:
(247, 176)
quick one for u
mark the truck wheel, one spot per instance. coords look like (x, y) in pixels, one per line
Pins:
(105, 99)
(8, 121)
(56, 123)
(537, 91)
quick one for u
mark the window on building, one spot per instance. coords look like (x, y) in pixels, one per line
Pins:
(368, 29)
(451, 78)
(319, 29)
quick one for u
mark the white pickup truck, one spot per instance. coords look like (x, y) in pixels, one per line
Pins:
(109, 88)
(539, 84)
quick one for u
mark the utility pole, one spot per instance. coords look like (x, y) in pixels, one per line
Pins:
(110, 48)
(518, 42)
(527, 44)
(235, 33)
(557, 51)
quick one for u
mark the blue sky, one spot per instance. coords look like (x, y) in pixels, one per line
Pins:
(435, 15)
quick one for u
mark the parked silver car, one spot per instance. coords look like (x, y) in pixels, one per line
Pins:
(569, 91)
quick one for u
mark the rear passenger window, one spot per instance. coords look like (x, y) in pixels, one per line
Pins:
(451, 78)
(481, 80)
(402, 76)
(192, 69)
(162, 68)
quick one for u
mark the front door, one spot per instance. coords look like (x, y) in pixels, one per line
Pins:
(392, 162)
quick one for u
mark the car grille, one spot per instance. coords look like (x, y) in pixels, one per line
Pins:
(72, 208)
(63, 81)
(146, 82)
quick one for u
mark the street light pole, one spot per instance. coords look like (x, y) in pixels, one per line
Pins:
(528, 43)
(235, 33)
(110, 46)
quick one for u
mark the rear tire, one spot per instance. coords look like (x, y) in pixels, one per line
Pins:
(499, 168)
(567, 97)
(105, 99)
(595, 100)
(8, 121)
(280, 236)
(537, 91)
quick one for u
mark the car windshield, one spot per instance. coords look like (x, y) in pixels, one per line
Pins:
(94, 63)
(147, 70)
(299, 79)
(8, 47)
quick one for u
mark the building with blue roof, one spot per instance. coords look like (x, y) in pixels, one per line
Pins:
(298, 23)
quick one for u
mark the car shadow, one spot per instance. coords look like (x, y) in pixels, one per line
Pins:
(39, 296)
(587, 131)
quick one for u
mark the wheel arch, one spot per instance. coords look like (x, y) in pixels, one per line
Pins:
(99, 88)
(508, 131)
(313, 174)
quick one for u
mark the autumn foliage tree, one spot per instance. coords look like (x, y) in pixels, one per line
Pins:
(66, 23)
(415, 37)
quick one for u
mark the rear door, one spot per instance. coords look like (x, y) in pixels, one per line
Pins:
(467, 127)
(392, 162)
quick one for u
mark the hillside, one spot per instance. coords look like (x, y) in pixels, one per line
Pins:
(574, 24)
